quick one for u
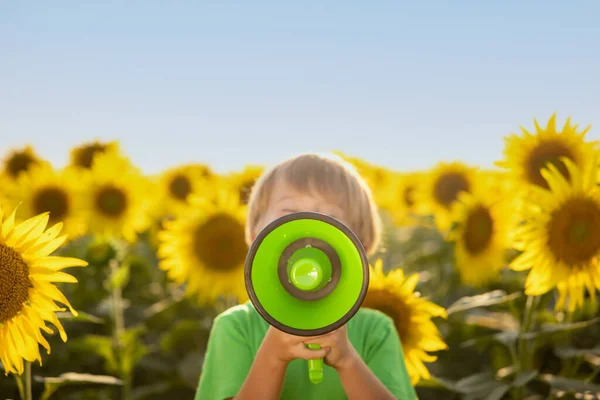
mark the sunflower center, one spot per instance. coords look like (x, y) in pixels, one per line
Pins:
(548, 152)
(220, 244)
(19, 162)
(574, 231)
(111, 201)
(448, 186)
(479, 228)
(86, 154)
(180, 187)
(14, 283)
(53, 200)
(245, 190)
(408, 195)
(395, 308)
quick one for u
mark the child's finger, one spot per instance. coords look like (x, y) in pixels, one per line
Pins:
(316, 339)
(308, 354)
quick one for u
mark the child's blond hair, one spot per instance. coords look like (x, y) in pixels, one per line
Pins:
(332, 177)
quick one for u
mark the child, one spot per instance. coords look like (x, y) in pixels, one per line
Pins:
(246, 358)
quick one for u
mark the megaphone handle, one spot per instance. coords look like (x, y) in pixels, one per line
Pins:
(315, 367)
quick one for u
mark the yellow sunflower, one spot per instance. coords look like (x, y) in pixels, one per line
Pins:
(560, 236)
(484, 221)
(400, 197)
(394, 295)
(175, 185)
(83, 155)
(43, 189)
(525, 156)
(377, 178)
(27, 294)
(244, 181)
(207, 248)
(117, 199)
(19, 161)
(440, 190)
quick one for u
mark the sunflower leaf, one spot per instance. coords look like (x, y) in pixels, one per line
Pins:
(120, 277)
(499, 392)
(82, 317)
(437, 383)
(477, 383)
(551, 329)
(524, 378)
(483, 300)
(571, 352)
(561, 383)
(52, 384)
(506, 338)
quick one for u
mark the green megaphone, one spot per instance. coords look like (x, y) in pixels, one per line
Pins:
(307, 274)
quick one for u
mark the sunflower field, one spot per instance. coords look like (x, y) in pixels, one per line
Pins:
(110, 279)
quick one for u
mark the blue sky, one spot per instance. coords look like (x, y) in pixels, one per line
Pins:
(400, 83)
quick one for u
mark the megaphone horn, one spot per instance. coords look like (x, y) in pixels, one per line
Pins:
(307, 274)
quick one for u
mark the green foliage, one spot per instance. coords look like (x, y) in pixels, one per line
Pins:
(137, 336)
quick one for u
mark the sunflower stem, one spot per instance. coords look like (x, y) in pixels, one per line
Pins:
(525, 351)
(119, 326)
(28, 393)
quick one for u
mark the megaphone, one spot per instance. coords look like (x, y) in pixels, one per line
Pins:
(307, 274)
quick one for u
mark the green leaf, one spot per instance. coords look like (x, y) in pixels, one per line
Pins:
(484, 381)
(121, 276)
(509, 337)
(505, 338)
(524, 378)
(51, 385)
(499, 392)
(100, 345)
(133, 349)
(483, 300)
(82, 317)
(552, 329)
(560, 383)
(571, 352)
(437, 383)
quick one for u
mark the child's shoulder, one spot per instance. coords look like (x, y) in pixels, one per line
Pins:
(369, 319)
(241, 315)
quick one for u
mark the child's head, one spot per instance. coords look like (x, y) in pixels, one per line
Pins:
(317, 183)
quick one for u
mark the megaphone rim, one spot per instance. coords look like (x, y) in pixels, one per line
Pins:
(293, 217)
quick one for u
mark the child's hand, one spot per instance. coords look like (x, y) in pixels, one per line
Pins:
(285, 348)
(342, 352)
(336, 349)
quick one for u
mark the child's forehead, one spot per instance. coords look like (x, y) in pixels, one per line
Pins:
(283, 190)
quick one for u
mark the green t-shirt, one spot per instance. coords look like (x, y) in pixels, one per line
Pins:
(237, 334)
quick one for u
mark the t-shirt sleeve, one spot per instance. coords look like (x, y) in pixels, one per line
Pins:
(227, 360)
(385, 359)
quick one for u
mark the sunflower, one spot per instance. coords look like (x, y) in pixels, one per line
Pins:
(83, 155)
(207, 248)
(400, 197)
(525, 156)
(484, 221)
(19, 161)
(560, 236)
(394, 295)
(377, 178)
(175, 185)
(44, 189)
(27, 294)
(244, 181)
(440, 190)
(118, 197)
